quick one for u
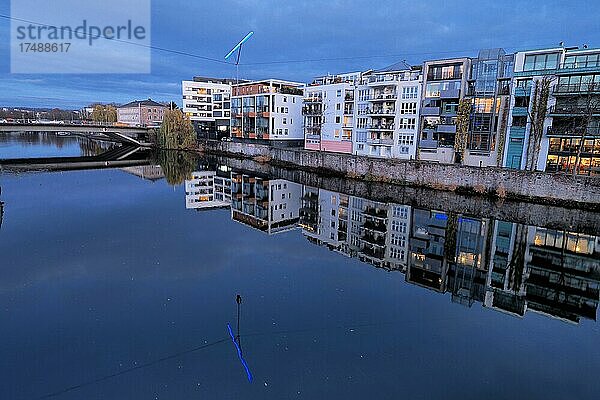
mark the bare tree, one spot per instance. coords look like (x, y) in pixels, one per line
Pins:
(537, 111)
(587, 105)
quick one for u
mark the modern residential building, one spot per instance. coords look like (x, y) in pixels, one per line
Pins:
(488, 93)
(329, 113)
(207, 189)
(141, 113)
(269, 205)
(268, 111)
(207, 102)
(444, 86)
(387, 112)
(555, 111)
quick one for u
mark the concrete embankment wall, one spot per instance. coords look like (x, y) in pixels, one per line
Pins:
(535, 186)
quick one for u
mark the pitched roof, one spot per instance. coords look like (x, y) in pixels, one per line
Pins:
(137, 103)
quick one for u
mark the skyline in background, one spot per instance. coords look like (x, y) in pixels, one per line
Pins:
(300, 41)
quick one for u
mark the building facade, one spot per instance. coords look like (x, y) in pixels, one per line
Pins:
(141, 113)
(555, 111)
(268, 111)
(387, 112)
(329, 113)
(207, 102)
(444, 86)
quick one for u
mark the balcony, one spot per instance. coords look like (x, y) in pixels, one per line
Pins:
(376, 212)
(573, 110)
(428, 144)
(313, 99)
(349, 97)
(521, 91)
(380, 141)
(430, 111)
(373, 240)
(383, 97)
(444, 77)
(573, 131)
(310, 136)
(380, 127)
(382, 112)
(450, 93)
(519, 111)
(373, 252)
(375, 226)
(564, 89)
(446, 128)
(581, 66)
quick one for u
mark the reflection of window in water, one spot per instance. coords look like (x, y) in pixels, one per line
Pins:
(575, 242)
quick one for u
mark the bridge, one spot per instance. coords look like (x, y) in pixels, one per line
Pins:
(136, 136)
(122, 156)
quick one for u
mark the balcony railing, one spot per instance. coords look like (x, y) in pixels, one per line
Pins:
(380, 141)
(444, 76)
(574, 110)
(576, 88)
(573, 131)
(381, 111)
(382, 96)
(430, 111)
(376, 212)
(380, 127)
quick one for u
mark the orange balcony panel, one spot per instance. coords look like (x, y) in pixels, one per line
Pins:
(252, 114)
(266, 114)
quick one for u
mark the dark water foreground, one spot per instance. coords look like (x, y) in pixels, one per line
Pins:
(119, 284)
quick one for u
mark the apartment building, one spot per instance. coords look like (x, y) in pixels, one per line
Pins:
(561, 86)
(141, 113)
(269, 205)
(444, 86)
(324, 218)
(488, 95)
(207, 102)
(329, 113)
(387, 110)
(269, 112)
(207, 189)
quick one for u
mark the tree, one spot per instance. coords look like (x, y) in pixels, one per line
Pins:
(104, 113)
(585, 107)
(176, 165)
(463, 119)
(176, 132)
(537, 115)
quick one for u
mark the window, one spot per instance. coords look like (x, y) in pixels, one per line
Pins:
(338, 119)
(338, 93)
(408, 108)
(409, 92)
(536, 62)
(407, 123)
(285, 121)
(284, 99)
(338, 106)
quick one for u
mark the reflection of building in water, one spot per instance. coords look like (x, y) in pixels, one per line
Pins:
(556, 273)
(270, 205)
(148, 172)
(374, 232)
(427, 265)
(505, 266)
(563, 274)
(467, 271)
(324, 218)
(206, 189)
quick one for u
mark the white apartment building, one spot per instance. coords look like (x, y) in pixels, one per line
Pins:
(207, 101)
(329, 113)
(207, 190)
(268, 111)
(271, 206)
(387, 113)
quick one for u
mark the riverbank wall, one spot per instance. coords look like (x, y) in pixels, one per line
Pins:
(531, 186)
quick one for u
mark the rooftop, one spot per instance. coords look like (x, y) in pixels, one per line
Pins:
(138, 103)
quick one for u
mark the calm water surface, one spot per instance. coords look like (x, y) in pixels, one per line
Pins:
(115, 284)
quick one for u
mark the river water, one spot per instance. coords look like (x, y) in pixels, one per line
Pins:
(122, 284)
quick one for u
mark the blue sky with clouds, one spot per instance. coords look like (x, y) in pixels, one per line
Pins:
(351, 35)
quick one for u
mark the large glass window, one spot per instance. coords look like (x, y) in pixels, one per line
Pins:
(535, 62)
